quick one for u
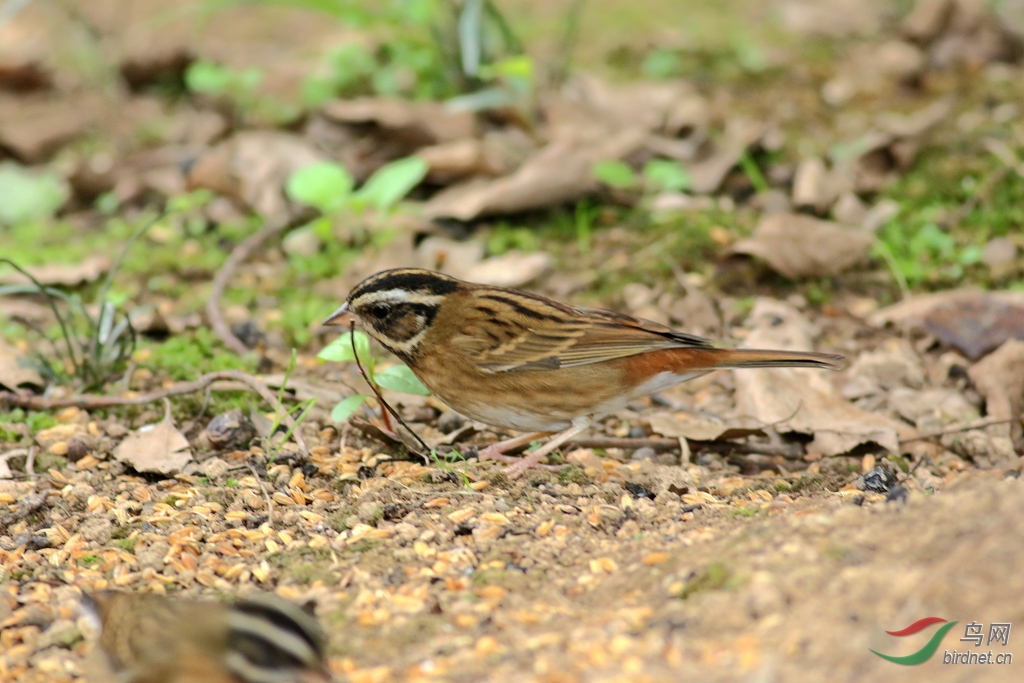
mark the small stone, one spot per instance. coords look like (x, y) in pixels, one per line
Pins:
(230, 431)
(849, 209)
(897, 494)
(301, 242)
(370, 513)
(151, 556)
(999, 251)
(406, 532)
(214, 468)
(878, 480)
(96, 529)
(449, 421)
(645, 453)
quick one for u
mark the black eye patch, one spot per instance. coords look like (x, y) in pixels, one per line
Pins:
(378, 311)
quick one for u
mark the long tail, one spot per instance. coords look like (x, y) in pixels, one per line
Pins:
(762, 358)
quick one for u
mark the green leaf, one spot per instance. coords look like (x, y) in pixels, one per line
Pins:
(207, 77)
(392, 182)
(340, 350)
(347, 406)
(325, 186)
(662, 64)
(667, 176)
(970, 255)
(615, 174)
(29, 196)
(400, 378)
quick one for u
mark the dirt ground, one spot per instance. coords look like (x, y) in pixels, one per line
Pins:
(809, 513)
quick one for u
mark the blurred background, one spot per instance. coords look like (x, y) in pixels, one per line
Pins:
(191, 187)
(578, 130)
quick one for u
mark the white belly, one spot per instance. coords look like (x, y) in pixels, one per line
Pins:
(511, 418)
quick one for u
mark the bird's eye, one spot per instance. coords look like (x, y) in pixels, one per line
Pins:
(378, 311)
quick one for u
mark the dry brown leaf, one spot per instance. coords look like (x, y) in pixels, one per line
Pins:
(69, 274)
(801, 400)
(560, 172)
(252, 167)
(976, 325)
(512, 269)
(25, 309)
(698, 428)
(811, 188)
(874, 68)
(962, 33)
(668, 107)
(159, 448)
(915, 310)
(799, 246)
(498, 153)
(33, 128)
(739, 136)
(415, 124)
(999, 377)
(12, 372)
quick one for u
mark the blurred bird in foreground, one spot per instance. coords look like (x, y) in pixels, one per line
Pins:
(147, 638)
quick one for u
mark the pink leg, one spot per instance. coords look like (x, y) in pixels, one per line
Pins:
(533, 459)
(496, 451)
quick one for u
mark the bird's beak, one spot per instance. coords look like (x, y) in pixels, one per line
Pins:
(340, 318)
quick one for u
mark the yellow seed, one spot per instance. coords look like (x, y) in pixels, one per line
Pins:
(462, 515)
(495, 518)
(654, 558)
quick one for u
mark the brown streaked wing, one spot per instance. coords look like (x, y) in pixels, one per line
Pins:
(536, 333)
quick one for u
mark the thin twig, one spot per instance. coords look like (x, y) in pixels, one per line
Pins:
(960, 428)
(30, 464)
(765, 462)
(263, 489)
(92, 402)
(238, 255)
(376, 392)
(789, 451)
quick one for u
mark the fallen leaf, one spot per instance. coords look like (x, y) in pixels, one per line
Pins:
(914, 311)
(512, 269)
(13, 371)
(962, 33)
(22, 74)
(33, 129)
(739, 136)
(252, 167)
(497, 153)
(417, 124)
(696, 428)
(999, 377)
(976, 325)
(69, 274)
(811, 188)
(798, 246)
(802, 400)
(159, 448)
(558, 173)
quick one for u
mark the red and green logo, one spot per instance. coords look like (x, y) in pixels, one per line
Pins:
(930, 647)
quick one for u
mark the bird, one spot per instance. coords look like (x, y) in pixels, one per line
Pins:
(521, 361)
(149, 638)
